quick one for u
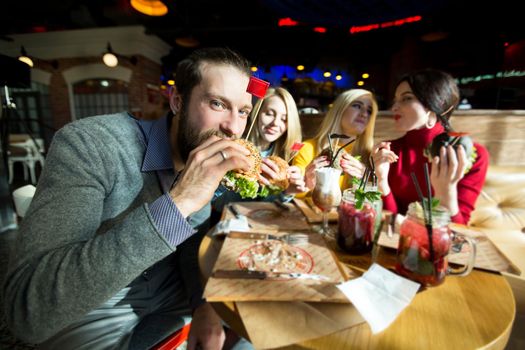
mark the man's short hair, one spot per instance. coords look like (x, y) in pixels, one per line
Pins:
(188, 73)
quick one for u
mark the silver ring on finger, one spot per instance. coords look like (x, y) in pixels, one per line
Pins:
(223, 155)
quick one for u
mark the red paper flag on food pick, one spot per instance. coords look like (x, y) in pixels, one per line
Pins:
(297, 146)
(257, 87)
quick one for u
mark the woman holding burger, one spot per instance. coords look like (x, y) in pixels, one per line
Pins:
(277, 128)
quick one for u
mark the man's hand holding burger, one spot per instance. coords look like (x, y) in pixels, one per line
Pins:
(206, 166)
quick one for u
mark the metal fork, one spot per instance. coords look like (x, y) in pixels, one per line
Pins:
(289, 238)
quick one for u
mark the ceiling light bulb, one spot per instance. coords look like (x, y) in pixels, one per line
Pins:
(365, 75)
(300, 67)
(187, 41)
(254, 69)
(360, 83)
(338, 77)
(110, 59)
(327, 74)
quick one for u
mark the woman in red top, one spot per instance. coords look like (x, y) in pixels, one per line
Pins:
(422, 107)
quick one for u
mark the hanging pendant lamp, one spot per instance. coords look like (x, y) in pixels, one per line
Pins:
(150, 7)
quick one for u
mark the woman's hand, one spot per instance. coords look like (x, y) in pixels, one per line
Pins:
(352, 166)
(382, 156)
(309, 174)
(447, 170)
(296, 180)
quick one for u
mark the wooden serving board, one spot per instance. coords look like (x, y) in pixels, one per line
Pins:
(316, 258)
(313, 214)
(268, 217)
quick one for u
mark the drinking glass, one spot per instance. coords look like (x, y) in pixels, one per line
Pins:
(357, 228)
(424, 263)
(326, 195)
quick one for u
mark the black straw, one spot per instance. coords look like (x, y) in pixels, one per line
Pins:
(429, 204)
(339, 150)
(420, 194)
(426, 216)
(373, 171)
(331, 150)
(367, 175)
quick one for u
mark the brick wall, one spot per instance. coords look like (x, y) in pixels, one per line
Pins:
(145, 102)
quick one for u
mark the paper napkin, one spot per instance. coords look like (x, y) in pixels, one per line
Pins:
(239, 223)
(379, 296)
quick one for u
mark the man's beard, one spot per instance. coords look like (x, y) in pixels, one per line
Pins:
(189, 138)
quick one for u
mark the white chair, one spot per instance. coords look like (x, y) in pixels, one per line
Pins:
(28, 153)
(22, 197)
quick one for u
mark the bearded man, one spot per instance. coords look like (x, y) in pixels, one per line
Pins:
(106, 256)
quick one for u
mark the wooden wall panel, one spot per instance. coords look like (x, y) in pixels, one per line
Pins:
(501, 132)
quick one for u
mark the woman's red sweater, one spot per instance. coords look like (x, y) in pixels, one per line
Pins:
(410, 148)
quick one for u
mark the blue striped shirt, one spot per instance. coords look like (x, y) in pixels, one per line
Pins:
(167, 217)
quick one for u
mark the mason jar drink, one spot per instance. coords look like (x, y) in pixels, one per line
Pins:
(357, 227)
(415, 259)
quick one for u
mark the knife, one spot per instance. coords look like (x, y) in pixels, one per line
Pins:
(262, 275)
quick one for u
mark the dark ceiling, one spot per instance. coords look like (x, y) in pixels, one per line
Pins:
(467, 31)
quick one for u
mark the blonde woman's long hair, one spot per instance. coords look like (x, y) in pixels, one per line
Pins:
(282, 146)
(332, 123)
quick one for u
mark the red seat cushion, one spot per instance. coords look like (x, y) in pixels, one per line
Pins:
(174, 340)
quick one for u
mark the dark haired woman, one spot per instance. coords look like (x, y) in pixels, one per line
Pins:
(422, 107)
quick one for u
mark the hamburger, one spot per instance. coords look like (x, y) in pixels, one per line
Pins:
(280, 182)
(454, 139)
(245, 182)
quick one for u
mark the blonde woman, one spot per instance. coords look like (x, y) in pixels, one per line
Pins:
(276, 129)
(353, 114)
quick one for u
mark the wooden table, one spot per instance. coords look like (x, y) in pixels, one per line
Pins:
(470, 312)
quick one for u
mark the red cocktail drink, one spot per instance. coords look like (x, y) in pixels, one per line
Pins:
(414, 258)
(355, 233)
